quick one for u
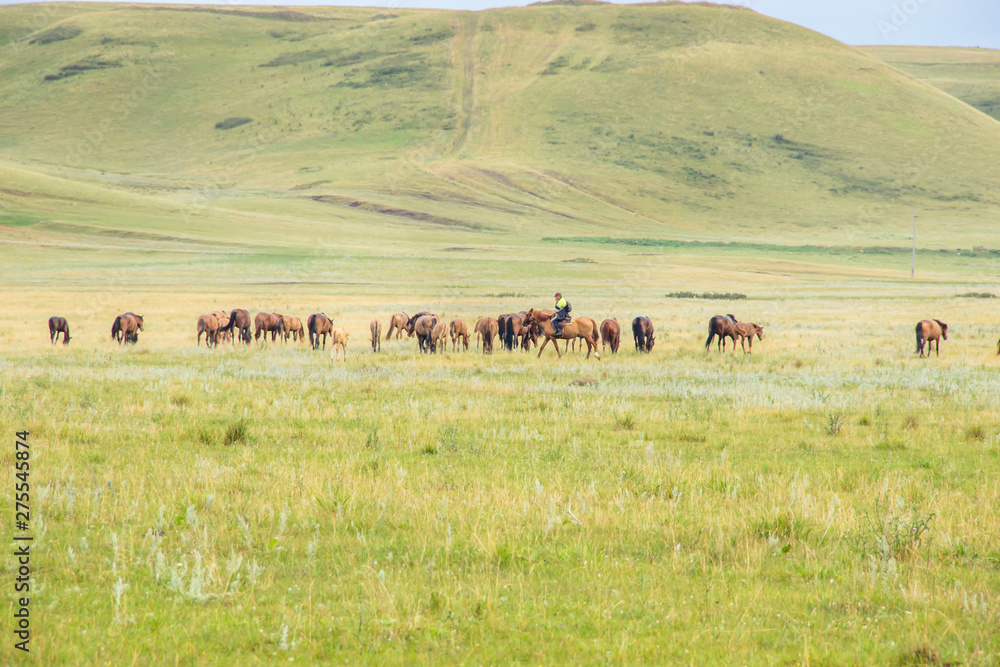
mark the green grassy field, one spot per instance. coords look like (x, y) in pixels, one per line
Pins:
(825, 501)
(970, 75)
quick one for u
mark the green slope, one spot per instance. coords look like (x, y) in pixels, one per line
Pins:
(971, 75)
(663, 120)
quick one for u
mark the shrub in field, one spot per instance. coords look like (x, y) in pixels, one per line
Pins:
(889, 532)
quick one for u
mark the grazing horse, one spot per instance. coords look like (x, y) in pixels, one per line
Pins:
(376, 328)
(458, 331)
(319, 325)
(931, 332)
(486, 328)
(239, 320)
(291, 326)
(338, 342)
(423, 327)
(58, 325)
(397, 323)
(412, 322)
(745, 331)
(208, 325)
(723, 326)
(643, 333)
(502, 329)
(126, 328)
(439, 338)
(266, 323)
(611, 334)
(224, 336)
(580, 327)
(511, 330)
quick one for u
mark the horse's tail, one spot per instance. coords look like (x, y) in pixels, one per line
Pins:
(116, 327)
(920, 337)
(597, 333)
(998, 347)
(639, 334)
(392, 324)
(711, 332)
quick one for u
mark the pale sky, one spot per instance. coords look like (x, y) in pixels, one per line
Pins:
(923, 22)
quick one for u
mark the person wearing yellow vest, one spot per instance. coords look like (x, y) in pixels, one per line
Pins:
(562, 313)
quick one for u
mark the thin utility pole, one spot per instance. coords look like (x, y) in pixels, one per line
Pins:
(913, 254)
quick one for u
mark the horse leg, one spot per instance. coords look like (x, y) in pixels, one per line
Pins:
(544, 343)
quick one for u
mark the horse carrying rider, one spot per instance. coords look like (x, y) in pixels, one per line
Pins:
(562, 314)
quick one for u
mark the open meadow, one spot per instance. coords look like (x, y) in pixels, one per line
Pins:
(827, 500)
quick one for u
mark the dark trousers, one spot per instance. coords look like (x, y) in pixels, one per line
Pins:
(559, 319)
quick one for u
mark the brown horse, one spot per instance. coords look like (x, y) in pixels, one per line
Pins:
(502, 328)
(931, 332)
(319, 325)
(411, 323)
(208, 325)
(439, 337)
(458, 331)
(338, 342)
(266, 323)
(58, 325)
(423, 327)
(643, 333)
(239, 321)
(224, 336)
(511, 328)
(580, 327)
(376, 328)
(126, 328)
(487, 329)
(611, 334)
(291, 326)
(397, 323)
(723, 326)
(745, 331)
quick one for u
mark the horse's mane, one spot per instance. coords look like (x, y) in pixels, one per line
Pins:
(941, 324)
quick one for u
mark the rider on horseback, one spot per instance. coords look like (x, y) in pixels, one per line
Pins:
(562, 314)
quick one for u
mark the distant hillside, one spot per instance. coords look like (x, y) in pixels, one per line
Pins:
(971, 75)
(643, 120)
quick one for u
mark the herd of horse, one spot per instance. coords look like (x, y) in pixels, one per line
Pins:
(513, 330)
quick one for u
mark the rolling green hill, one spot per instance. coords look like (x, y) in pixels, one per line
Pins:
(971, 75)
(662, 120)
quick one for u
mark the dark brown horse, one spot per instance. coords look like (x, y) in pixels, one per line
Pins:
(266, 323)
(208, 325)
(642, 332)
(397, 323)
(239, 321)
(58, 325)
(423, 327)
(319, 325)
(512, 330)
(126, 328)
(580, 327)
(411, 323)
(723, 326)
(459, 332)
(930, 333)
(611, 334)
(291, 326)
(486, 328)
(376, 328)
(745, 331)
(502, 329)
